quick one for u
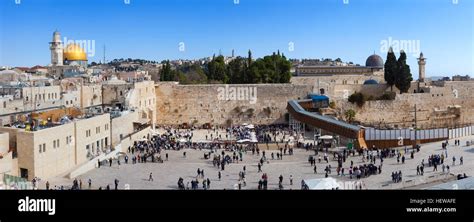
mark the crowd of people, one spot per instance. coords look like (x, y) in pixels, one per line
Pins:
(222, 153)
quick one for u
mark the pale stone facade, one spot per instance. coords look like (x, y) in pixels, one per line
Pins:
(139, 96)
(41, 97)
(91, 95)
(6, 160)
(122, 126)
(45, 153)
(200, 104)
(92, 137)
(52, 151)
(448, 106)
(143, 98)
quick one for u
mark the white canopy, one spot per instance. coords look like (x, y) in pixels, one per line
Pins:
(326, 137)
(243, 141)
(322, 184)
(251, 126)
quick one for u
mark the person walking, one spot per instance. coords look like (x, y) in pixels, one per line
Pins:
(219, 175)
(291, 179)
(315, 169)
(116, 183)
(90, 183)
(150, 178)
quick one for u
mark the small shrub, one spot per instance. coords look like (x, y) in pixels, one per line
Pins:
(357, 98)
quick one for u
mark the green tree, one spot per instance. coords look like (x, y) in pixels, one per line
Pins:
(271, 69)
(390, 68)
(193, 74)
(217, 70)
(403, 77)
(350, 115)
(237, 71)
(165, 74)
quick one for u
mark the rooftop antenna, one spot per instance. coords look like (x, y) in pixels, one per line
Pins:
(104, 54)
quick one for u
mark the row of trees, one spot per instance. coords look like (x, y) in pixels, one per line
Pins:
(397, 72)
(274, 68)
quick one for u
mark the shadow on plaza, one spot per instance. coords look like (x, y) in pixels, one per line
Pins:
(470, 150)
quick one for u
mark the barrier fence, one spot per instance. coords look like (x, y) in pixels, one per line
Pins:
(409, 134)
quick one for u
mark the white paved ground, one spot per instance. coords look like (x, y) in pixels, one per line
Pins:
(166, 174)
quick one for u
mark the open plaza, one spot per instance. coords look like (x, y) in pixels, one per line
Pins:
(293, 168)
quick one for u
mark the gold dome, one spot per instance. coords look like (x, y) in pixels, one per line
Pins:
(74, 52)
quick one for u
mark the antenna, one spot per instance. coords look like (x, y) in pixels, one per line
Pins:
(104, 55)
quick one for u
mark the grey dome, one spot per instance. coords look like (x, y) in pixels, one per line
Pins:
(374, 61)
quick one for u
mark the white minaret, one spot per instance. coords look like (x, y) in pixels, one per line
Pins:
(421, 68)
(56, 47)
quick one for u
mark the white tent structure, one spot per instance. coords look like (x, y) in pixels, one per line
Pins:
(251, 126)
(244, 141)
(326, 137)
(322, 184)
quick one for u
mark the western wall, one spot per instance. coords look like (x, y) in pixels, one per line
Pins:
(451, 104)
(200, 104)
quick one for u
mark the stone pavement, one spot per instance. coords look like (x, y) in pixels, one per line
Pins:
(166, 174)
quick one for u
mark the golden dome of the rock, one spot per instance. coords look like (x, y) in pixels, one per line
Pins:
(74, 52)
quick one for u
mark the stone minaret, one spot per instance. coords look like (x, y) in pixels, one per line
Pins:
(421, 68)
(56, 47)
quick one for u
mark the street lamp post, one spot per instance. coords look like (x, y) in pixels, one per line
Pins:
(415, 128)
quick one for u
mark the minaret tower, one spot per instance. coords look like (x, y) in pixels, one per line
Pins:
(421, 68)
(56, 47)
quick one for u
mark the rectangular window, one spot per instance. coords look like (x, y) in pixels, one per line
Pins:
(44, 147)
(40, 148)
(54, 143)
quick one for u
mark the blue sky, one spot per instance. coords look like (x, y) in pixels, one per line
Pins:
(318, 28)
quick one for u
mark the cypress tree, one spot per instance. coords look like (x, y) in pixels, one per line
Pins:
(390, 68)
(403, 77)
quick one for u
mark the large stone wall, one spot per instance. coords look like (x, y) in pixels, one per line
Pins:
(438, 108)
(450, 105)
(200, 104)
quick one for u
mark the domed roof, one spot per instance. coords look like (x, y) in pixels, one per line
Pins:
(374, 61)
(74, 52)
(370, 82)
